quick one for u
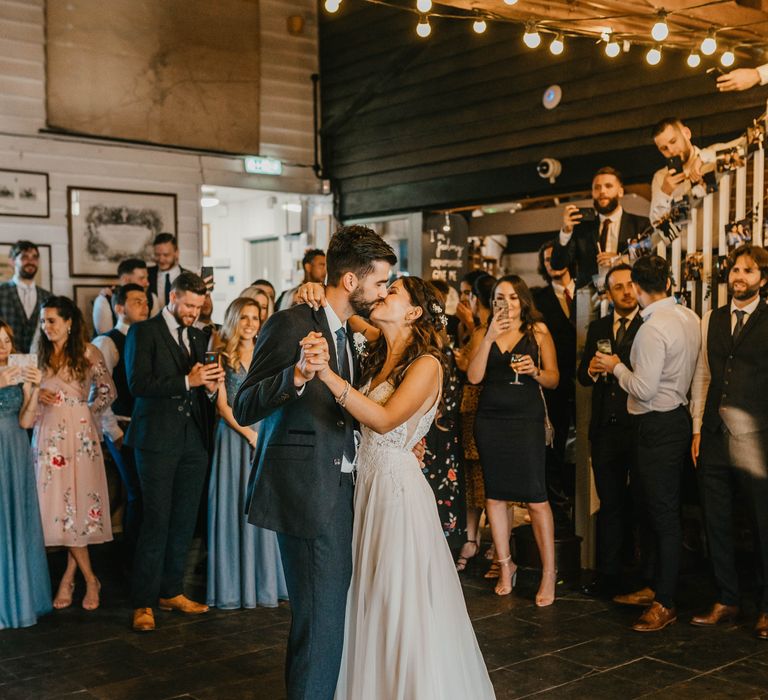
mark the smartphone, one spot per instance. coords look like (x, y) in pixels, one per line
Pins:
(206, 271)
(500, 307)
(212, 358)
(587, 213)
(675, 163)
(22, 360)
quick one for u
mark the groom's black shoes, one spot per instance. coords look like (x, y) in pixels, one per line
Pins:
(602, 587)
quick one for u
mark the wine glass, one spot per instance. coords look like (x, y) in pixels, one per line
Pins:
(513, 360)
(605, 346)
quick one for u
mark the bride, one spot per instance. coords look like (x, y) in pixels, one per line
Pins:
(407, 633)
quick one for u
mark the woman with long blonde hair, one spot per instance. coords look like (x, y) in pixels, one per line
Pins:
(244, 567)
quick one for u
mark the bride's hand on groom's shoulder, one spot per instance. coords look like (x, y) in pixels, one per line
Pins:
(312, 293)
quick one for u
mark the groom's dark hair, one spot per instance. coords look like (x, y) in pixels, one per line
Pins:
(355, 249)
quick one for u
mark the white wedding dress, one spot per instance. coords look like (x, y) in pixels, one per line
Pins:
(407, 633)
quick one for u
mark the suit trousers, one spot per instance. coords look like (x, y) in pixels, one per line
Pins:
(171, 486)
(663, 439)
(125, 462)
(728, 462)
(612, 456)
(317, 574)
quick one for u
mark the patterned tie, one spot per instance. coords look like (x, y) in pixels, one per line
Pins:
(604, 235)
(740, 314)
(621, 331)
(342, 361)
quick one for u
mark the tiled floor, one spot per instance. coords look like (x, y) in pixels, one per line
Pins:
(579, 648)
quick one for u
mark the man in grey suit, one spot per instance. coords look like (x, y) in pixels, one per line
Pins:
(20, 298)
(301, 485)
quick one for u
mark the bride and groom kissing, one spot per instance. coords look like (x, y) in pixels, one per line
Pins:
(377, 607)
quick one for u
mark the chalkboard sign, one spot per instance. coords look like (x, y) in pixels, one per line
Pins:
(444, 247)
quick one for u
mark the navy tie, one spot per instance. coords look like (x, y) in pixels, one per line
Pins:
(740, 314)
(342, 361)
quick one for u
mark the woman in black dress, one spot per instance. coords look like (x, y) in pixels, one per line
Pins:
(509, 429)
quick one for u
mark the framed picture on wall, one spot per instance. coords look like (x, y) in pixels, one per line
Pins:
(44, 277)
(107, 226)
(85, 294)
(24, 193)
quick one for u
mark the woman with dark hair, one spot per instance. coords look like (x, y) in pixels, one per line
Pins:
(515, 360)
(244, 567)
(71, 483)
(25, 593)
(407, 632)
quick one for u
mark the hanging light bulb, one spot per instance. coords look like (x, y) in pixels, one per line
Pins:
(447, 224)
(605, 34)
(612, 47)
(709, 45)
(479, 26)
(332, 5)
(728, 58)
(557, 46)
(660, 30)
(423, 6)
(510, 2)
(423, 29)
(653, 57)
(694, 59)
(531, 38)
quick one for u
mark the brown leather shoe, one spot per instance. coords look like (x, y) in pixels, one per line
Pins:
(761, 628)
(642, 598)
(182, 604)
(718, 614)
(143, 620)
(655, 618)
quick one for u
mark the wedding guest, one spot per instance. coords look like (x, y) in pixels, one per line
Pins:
(20, 298)
(25, 593)
(314, 266)
(268, 288)
(71, 483)
(166, 268)
(205, 323)
(129, 271)
(244, 566)
(510, 425)
(131, 307)
(170, 385)
(263, 298)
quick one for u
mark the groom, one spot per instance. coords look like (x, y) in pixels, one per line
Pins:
(301, 485)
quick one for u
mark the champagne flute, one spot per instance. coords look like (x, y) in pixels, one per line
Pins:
(605, 346)
(513, 360)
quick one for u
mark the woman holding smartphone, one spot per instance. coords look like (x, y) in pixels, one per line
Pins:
(244, 566)
(516, 358)
(25, 593)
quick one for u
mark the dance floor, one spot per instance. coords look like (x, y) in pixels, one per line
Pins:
(578, 648)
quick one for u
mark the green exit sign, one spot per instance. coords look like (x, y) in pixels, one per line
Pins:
(257, 165)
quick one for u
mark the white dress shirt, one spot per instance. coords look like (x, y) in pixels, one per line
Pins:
(612, 241)
(102, 312)
(703, 376)
(173, 273)
(27, 294)
(173, 324)
(663, 356)
(111, 355)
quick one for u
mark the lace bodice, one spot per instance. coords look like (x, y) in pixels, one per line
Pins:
(10, 401)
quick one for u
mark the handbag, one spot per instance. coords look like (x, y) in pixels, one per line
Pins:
(549, 429)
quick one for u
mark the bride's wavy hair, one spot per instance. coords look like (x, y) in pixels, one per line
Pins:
(425, 334)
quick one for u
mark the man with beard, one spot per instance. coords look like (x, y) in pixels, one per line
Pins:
(729, 404)
(20, 298)
(169, 383)
(314, 271)
(590, 245)
(301, 485)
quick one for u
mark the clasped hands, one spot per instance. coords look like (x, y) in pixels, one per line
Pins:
(313, 359)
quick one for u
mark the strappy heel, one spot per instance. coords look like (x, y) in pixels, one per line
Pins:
(461, 560)
(541, 601)
(500, 589)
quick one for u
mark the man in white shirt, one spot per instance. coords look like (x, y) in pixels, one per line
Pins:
(314, 271)
(166, 268)
(130, 271)
(729, 405)
(743, 79)
(663, 360)
(131, 307)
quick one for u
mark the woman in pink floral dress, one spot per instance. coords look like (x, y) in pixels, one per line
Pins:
(71, 482)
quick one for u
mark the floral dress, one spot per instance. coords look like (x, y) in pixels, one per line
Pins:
(71, 481)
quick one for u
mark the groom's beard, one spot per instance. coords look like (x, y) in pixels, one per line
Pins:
(359, 304)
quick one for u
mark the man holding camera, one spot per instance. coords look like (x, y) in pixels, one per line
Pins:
(592, 239)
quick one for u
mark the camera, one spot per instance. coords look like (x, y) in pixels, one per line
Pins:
(549, 169)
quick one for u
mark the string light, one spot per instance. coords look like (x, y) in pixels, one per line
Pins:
(709, 45)
(510, 2)
(332, 5)
(653, 57)
(531, 38)
(423, 6)
(557, 46)
(660, 30)
(612, 48)
(728, 58)
(694, 59)
(479, 26)
(423, 29)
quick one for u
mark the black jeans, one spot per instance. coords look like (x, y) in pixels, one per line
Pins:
(126, 464)
(662, 442)
(171, 484)
(728, 462)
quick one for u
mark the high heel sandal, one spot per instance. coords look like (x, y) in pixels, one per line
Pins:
(91, 606)
(505, 564)
(542, 602)
(461, 560)
(60, 602)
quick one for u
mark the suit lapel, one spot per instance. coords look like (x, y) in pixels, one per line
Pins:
(170, 341)
(749, 325)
